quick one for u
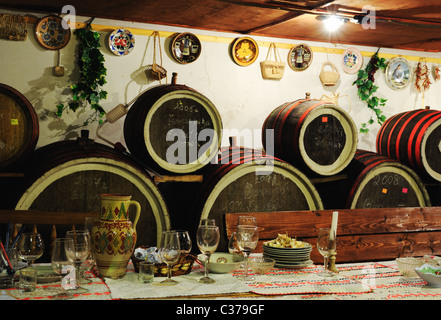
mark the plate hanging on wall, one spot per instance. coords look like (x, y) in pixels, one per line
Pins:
(186, 48)
(121, 42)
(244, 51)
(50, 32)
(398, 73)
(300, 57)
(352, 60)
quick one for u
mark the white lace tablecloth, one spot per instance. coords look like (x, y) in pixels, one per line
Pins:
(129, 287)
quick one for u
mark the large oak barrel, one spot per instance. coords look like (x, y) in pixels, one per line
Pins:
(69, 176)
(173, 128)
(381, 182)
(245, 180)
(413, 138)
(315, 136)
(19, 128)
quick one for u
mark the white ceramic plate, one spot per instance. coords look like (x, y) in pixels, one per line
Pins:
(352, 60)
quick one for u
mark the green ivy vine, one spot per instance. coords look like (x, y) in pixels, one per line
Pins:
(88, 90)
(366, 89)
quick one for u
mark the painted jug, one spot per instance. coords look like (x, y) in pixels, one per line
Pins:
(114, 235)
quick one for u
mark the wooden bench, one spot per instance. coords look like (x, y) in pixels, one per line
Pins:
(362, 234)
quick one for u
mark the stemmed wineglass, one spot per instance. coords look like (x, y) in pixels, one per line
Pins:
(207, 222)
(184, 241)
(169, 251)
(30, 247)
(233, 248)
(81, 240)
(208, 239)
(246, 221)
(326, 244)
(90, 261)
(63, 254)
(247, 238)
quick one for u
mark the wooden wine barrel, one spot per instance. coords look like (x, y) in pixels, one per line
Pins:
(244, 180)
(381, 182)
(173, 129)
(19, 128)
(413, 138)
(312, 135)
(69, 176)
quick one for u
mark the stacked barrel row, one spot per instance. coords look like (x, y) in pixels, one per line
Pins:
(175, 130)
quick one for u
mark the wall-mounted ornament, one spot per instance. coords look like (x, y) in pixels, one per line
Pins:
(51, 33)
(121, 42)
(300, 57)
(352, 60)
(244, 51)
(13, 27)
(186, 48)
(422, 81)
(398, 73)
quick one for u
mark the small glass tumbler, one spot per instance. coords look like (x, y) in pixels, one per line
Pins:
(146, 272)
(28, 280)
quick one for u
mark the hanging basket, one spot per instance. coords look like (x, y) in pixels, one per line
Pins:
(157, 71)
(272, 69)
(329, 77)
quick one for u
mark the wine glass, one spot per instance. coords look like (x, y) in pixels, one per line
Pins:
(184, 241)
(233, 248)
(207, 222)
(326, 244)
(81, 240)
(208, 239)
(63, 254)
(30, 247)
(169, 251)
(246, 221)
(247, 238)
(90, 261)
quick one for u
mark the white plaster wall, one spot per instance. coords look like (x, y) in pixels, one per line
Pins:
(241, 96)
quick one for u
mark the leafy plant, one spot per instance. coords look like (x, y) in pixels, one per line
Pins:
(366, 89)
(92, 76)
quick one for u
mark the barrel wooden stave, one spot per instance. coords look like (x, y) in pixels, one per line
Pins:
(315, 136)
(19, 128)
(233, 185)
(414, 139)
(66, 176)
(166, 107)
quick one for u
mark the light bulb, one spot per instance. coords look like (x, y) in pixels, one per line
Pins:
(332, 23)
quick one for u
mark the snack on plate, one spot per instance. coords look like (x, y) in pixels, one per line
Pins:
(283, 241)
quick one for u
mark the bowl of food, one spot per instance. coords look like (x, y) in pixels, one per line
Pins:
(430, 273)
(407, 265)
(261, 265)
(221, 262)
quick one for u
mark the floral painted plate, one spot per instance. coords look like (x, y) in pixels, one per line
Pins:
(352, 60)
(244, 51)
(51, 33)
(121, 42)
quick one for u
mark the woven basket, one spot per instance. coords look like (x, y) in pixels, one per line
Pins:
(275, 69)
(329, 77)
(183, 266)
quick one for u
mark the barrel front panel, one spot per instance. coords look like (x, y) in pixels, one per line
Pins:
(322, 133)
(243, 189)
(387, 188)
(432, 151)
(19, 127)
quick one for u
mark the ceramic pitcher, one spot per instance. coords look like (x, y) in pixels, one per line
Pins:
(114, 235)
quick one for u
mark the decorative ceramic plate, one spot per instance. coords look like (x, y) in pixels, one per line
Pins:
(300, 57)
(186, 48)
(121, 42)
(352, 60)
(398, 73)
(50, 33)
(244, 51)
